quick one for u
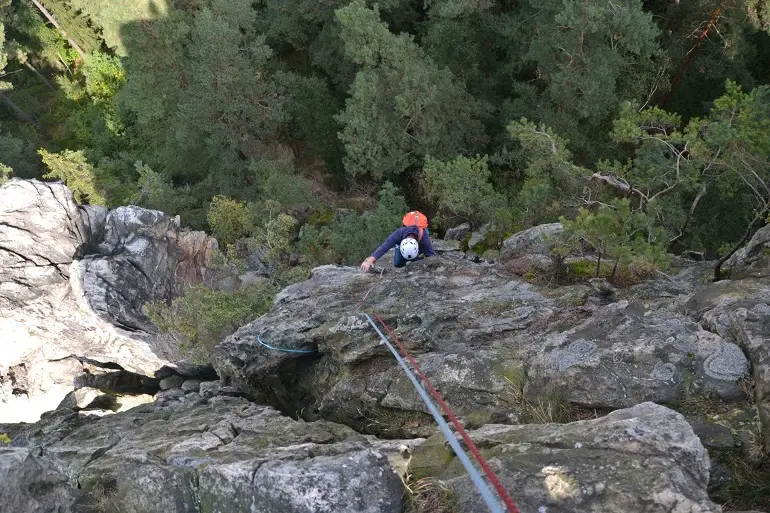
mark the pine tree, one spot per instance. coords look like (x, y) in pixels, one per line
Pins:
(402, 106)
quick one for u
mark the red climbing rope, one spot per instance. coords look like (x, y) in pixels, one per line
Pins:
(509, 504)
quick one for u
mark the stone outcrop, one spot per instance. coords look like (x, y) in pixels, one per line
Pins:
(224, 454)
(530, 242)
(500, 350)
(631, 352)
(478, 333)
(72, 284)
(644, 458)
(740, 311)
(752, 260)
(468, 326)
(194, 454)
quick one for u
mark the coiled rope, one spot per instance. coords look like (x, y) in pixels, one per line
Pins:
(486, 494)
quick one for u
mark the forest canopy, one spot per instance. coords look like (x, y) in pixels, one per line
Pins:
(309, 126)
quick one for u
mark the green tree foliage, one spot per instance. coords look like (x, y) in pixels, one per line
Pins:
(351, 237)
(266, 103)
(552, 182)
(76, 26)
(618, 233)
(227, 219)
(589, 56)
(461, 190)
(457, 8)
(686, 174)
(17, 155)
(203, 317)
(72, 168)
(279, 181)
(402, 105)
(708, 43)
(109, 17)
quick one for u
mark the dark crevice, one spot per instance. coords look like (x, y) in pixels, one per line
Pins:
(90, 361)
(287, 387)
(81, 239)
(141, 271)
(9, 225)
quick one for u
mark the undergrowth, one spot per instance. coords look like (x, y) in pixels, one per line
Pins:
(429, 495)
(202, 317)
(550, 407)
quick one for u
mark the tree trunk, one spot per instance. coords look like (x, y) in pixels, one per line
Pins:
(55, 23)
(746, 236)
(39, 75)
(687, 221)
(614, 270)
(17, 111)
(598, 265)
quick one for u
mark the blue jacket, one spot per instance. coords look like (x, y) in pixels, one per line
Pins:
(426, 248)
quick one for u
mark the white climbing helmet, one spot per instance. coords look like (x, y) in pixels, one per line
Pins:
(409, 248)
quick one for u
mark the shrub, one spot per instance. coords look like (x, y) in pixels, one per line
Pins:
(279, 182)
(353, 237)
(227, 219)
(72, 168)
(461, 190)
(203, 317)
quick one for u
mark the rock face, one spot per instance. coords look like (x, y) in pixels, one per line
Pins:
(72, 283)
(458, 233)
(468, 327)
(480, 335)
(752, 260)
(632, 352)
(530, 242)
(645, 458)
(32, 485)
(740, 311)
(217, 455)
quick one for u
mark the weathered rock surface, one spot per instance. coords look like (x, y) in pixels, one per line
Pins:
(740, 311)
(752, 260)
(476, 332)
(530, 242)
(458, 233)
(32, 485)
(631, 352)
(645, 458)
(72, 283)
(466, 325)
(217, 455)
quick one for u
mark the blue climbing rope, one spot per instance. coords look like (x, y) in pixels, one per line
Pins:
(486, 494)
(259, 339)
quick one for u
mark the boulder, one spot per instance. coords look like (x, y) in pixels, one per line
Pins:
(191, 385)
(466, 326)
(530, 242)
(753, 259)
(490, 255)
(31, 484)
(739, 311)
(73, 280)
(632, 352)
(174, 381)
(446, 246)
(645, 458)
(458, 233)
(477, 237)
(222, 454)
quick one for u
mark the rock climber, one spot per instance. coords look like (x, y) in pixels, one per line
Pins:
(411, 242)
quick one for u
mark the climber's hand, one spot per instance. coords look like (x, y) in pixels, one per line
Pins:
(367, 264)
